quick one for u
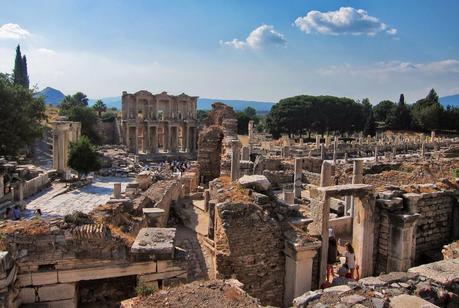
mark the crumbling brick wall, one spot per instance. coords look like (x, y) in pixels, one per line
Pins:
(435, 225)
(219, 112)
(209, 152)
(250, 248)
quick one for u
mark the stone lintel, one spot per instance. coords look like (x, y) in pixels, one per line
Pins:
(345, 190)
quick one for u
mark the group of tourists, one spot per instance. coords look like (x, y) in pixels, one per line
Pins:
(348, 271)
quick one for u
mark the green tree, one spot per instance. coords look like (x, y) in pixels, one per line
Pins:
(384, 111)
(243, 118)
(305, 113)
(370, 125)
(427, 113)
(401, 118)
(250, 112)
(20, 75)
(78, 99)
(21, 114)
(367, 107)
(25, 73)
(100, 107)
(83, 157)
(88, 119)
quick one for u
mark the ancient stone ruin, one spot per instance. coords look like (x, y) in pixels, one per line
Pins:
(246, 224)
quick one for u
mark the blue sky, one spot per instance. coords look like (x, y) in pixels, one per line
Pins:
(257, 50)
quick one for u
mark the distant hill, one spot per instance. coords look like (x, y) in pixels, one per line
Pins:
(51, 95)
(239, 105)
(452, 100)
(54, 97)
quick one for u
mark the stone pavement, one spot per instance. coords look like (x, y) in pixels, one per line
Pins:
(54, 203)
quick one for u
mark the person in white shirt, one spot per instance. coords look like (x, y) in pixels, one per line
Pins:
(350, 259)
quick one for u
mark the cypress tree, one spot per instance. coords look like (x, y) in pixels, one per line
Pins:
(25, 74)
(18, 71)
(370, 125)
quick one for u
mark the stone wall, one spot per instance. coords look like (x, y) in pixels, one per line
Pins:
(35, 184)
(312, 164)
(311, 178)
(278, 178)
(412, 228)
(209, 152)
(250, 247)
(435, 225)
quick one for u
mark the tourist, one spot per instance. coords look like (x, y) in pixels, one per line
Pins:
(8, 213)
(350, 259)
(341, 279)
(16, 213)
(332, 253)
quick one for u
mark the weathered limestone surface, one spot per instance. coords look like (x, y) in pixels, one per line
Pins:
(257, 182)
(155, 243)
(443, 272)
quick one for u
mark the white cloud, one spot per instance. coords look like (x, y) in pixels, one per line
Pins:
(346, 20)
(449, 66)
(46, 51)
(13, 31)
(263, 36)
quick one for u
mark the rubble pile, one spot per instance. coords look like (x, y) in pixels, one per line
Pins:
(213, 293)
(116, 161)
(424, 286)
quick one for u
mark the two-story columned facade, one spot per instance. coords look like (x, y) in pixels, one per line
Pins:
(159, 124)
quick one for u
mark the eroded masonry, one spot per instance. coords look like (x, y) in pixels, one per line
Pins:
(246, 224)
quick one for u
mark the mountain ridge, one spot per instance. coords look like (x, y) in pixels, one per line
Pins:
(53, 96)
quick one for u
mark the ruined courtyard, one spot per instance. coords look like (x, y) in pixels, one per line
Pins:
(245, 222)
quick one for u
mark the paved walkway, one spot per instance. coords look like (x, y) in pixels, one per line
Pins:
(53, 203)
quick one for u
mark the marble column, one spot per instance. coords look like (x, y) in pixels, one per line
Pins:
(154, 139)
(363, 231)
(117, 190)
(245, 155)
(235, 156)
(289, 196)
(298, 269)
(250, 128)
(325, 174)
(188, 141)
(136, 139)
(2, 186)
(322, 151)
(357, 178)
(298, 176)
(401, 242)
